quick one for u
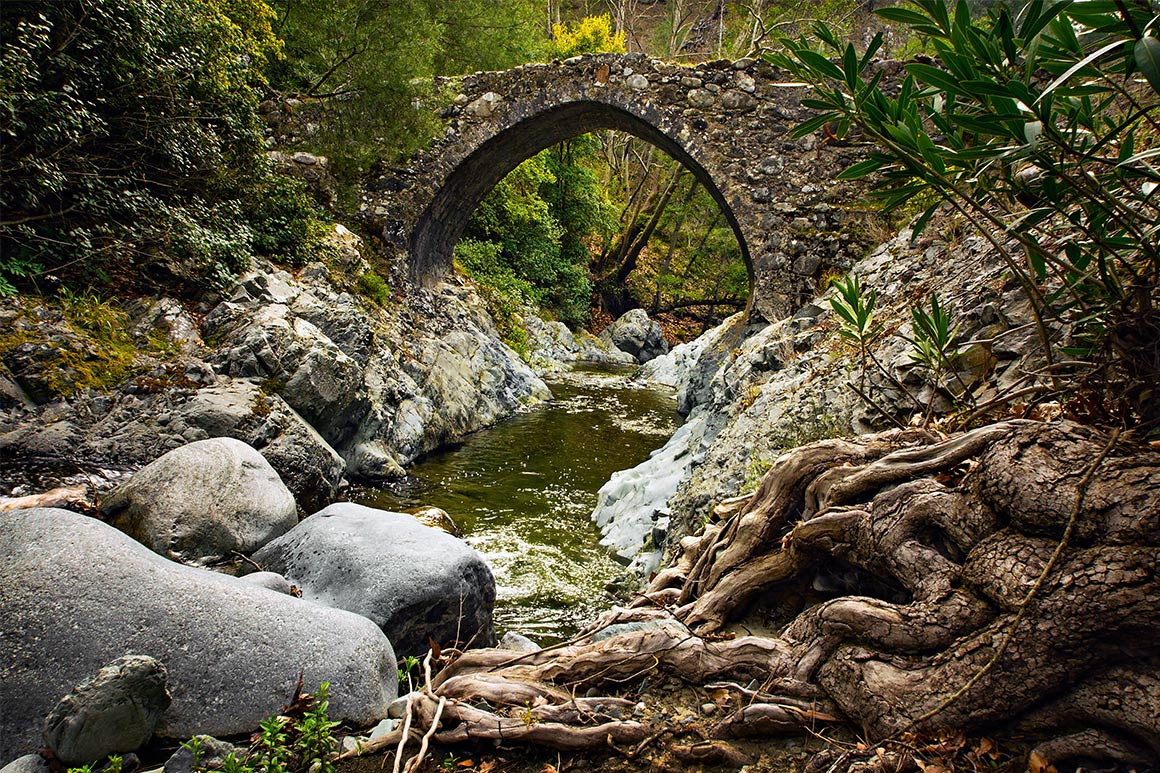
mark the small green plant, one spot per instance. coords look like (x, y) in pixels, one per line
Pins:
(284, 744)
(316, 741)
(855, 310)
(374, 288)
(194, 745)
(272, 746)
(934, 348)
(527, 715)
(114, 764)
(408, 664)
(449, 762)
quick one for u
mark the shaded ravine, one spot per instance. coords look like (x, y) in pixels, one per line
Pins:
(523, 494)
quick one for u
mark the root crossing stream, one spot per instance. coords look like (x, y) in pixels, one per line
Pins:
(524, 490)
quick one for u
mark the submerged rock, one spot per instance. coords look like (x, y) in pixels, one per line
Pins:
(112, 713)
(414, 581)
(77, 594)
(204, 501)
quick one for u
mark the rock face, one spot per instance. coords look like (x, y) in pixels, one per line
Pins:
(76, 594)
(637, 335)
(412, 580)
(112, 713)
(201, 502)
(29, 763)
(323, 382)
(551, 345)
(756, 391)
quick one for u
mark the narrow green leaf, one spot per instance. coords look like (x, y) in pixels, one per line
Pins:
(1082, 63)
(812, 125)
(871, 50)
(1147, 56)
(923, 219)
(863, 168)
(819, 64)
(903, 16)
(1040, 18)
(933, 76)
(850, 67)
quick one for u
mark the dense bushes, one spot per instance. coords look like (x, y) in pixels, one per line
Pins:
(1041, 129)
(129, 137)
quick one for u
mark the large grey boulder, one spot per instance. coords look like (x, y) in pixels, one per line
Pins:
(203, 501)
(412, 580)
(268, 341)
(112, 713)
(634, 333)
(29, 763)
(76, 594)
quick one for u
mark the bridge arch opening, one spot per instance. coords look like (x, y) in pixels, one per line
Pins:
(442, 223)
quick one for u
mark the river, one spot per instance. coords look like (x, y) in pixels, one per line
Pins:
(523, 493)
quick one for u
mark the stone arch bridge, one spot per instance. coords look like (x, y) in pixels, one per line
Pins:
(726, 121)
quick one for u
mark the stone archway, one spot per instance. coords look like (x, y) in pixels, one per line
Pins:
(727, 122)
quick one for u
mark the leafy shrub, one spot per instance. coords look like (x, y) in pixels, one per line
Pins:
(504, 294)
(284, 220)
(1036, 128)
(374, 287)
(590, 35)
(128, 135)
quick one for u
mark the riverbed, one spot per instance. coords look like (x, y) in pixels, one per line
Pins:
(523, 492)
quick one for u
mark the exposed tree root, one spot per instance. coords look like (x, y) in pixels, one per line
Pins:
(1005, 577)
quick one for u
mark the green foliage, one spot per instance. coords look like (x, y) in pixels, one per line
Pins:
(590, 35)
(285, 221)
(287, 744)
(374, 287)
(934, 345)
(1036, 127)
(505, 294)
(366, 65)
(855, 310)
(128, 135)
(408, 664)
(527, 241)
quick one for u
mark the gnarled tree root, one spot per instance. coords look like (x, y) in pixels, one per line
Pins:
(1020, 567)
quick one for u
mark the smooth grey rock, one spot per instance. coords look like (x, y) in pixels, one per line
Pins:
(112, 713)
(518, 642)
(201, 502)
(29, 763)
(270, 580)
(398, 708)
(635, 333)
(386, 727)
(415, 582)
(76, 594)
(211, 752)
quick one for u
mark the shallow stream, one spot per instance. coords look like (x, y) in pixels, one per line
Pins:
(523, 493)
